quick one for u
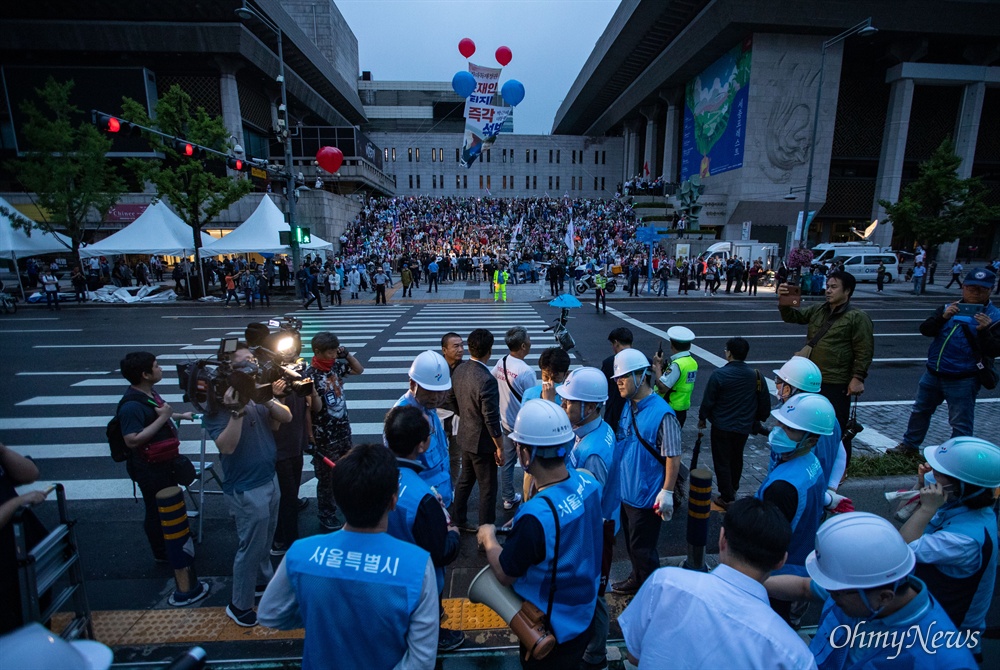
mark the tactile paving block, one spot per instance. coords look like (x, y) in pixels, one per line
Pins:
(111, 625)
(177, 626)
(233, 633)
(476, 616)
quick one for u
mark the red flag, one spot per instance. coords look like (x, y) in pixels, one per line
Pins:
(645, 168)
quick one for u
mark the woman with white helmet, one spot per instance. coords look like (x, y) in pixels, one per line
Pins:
(801, 375)
(954, 531)
(875, 613)
(430, 381)
(795, 483)
(583, 396)
(649, 441)
(552, 556)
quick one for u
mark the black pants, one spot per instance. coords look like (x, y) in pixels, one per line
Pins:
(151, 478)
(633, 286)
(752, 286)
(682, 415)
(837, 395)
(727, 457)
(314, 295)
(554, 286)
(379, 294)
(289, 471)
(600, 297)
(566, 655)
(954, 279)
(641, 529)
(481, 468)
(432, 282)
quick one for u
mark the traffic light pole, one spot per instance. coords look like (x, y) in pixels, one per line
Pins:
(286, 135)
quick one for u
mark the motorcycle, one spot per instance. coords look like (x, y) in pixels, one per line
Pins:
(587, 282)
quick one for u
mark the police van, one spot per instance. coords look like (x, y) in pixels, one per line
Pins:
(864, 264)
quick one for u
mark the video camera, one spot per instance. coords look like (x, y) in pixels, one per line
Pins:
(205, 381)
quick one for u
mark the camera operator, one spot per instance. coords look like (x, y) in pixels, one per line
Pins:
(331, 363)
(242, 430)
(291, 439)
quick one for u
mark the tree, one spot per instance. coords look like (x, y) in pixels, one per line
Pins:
(938, 206)
(197, 193)
(66, 166)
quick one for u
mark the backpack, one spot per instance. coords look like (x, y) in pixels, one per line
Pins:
(116, 440)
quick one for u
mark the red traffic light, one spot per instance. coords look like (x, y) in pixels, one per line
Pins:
(238, 164)
(189, 149)
(114, 125)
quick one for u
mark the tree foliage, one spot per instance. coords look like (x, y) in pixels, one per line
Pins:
(66, 166)
(197, 192)
(938, 206)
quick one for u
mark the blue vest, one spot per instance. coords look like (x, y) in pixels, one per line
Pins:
(437, 468)
(578, 503)
(345, 578)
(600, 442)
(826, 450)
(412, 491)
(640, 473)
(923, 611)
(965, 599)
(805, 474)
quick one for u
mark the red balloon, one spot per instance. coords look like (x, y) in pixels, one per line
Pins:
(330, 158)
(466, 47)
(504, 55)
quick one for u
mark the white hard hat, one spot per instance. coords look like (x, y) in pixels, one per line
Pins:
(541, 423)
(967, 459)
(801, 373)
(859, 550)
(34, 646)
(680, 334)
(810, 412)
(430, 371)
(584, 385)
(629, 360)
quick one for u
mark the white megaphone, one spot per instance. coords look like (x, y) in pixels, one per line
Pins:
(526, 621)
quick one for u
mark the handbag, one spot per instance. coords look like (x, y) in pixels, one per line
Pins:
(985, 373)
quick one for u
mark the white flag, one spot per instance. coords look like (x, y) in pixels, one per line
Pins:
(569, 237)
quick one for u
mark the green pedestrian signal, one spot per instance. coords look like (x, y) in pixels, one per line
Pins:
(303, 235)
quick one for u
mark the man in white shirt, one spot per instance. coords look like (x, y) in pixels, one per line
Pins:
(514, 377)
(664, 626)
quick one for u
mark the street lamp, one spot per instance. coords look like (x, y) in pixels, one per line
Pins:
(864, 29)
(247, 13)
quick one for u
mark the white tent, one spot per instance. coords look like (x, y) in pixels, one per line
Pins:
(259, 234)
(157, 231)
(15, 243)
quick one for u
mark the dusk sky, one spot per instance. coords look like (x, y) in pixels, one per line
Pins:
(417, 40)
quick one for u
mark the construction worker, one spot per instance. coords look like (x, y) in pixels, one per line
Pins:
(954, 531)
(874, 609)
(552, 556)
(676, 383)
(499, 284)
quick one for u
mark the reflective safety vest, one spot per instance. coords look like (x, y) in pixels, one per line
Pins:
(577, 502)
(640, 474)
(499, 277)
(344, 578)
(437, 472)
(680, 395)
(412, 491)
(806, 475)
(600, 442)
(826, 450)
(600, 281)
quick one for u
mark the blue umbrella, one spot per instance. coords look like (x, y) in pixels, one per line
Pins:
(565, 301)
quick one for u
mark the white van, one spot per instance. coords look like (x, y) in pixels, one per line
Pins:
(864, 265)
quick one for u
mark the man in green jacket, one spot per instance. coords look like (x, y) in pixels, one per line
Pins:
(841, 343)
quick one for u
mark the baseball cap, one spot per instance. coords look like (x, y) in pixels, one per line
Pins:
(981, 277)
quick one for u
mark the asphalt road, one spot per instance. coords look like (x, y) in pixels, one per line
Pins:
(60, 386)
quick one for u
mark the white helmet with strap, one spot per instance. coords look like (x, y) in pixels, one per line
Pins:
(801, 373)
(430, 371)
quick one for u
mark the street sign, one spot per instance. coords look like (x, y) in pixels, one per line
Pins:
(257, 173)
(647, 235)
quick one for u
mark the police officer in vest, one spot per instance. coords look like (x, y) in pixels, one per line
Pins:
(552, 554)
(795, 482)
(678, 379)
(419, 517)
(366, 599)
(649, 442)
(954, 531)
(430, 381)
(583, 396)
(500, 277)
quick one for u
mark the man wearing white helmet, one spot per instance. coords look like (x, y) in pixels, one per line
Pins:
(954, 531)
(800, 375)
(875, 613)
(649, 441)
(795, 483)
(676, 383)
(583, 396)
(430, 381)
(556, 533)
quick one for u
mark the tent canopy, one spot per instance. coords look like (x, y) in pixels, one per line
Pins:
(259, 234)
(157, 231)
(15, 243)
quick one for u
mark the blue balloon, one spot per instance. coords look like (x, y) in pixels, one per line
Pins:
(463, 83)
(512, 92)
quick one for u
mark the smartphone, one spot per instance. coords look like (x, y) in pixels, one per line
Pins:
(793, 298)
(968, 309)
(659, 352)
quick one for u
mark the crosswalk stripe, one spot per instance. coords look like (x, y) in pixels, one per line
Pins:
(67, 422)
(400, 359)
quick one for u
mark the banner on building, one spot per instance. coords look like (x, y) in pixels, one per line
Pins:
(482, 125)
(715, 111)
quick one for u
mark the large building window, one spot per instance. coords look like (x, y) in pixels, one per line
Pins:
(595, 183)
(487, 182)
(488, 157)
(441, 180)
(411, 181)
(385, 153)
(534, 183)
(527, 182)
(574, 156)
(572, 180)
(434, 154)
(458, 181)
(418, 181)
(504, 156)
(558, 152)
(597, 156)
(418, 154)
(458, 155)
(550, 182)
(557, 181)
(434, 179)
(604, 155)
(409, 155)
(504, 179)
(394, 154)
(480, 182)
(550, 155)
(465, 181)
(534, 156)
(602, 183)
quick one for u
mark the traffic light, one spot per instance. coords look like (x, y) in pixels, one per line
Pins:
(189, 149)
(238, 164)
(113, 124)
(303, 235)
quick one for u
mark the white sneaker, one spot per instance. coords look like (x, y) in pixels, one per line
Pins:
(510, 504)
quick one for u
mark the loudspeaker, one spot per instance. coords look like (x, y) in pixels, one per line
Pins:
(526, 621)
(487, 590)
